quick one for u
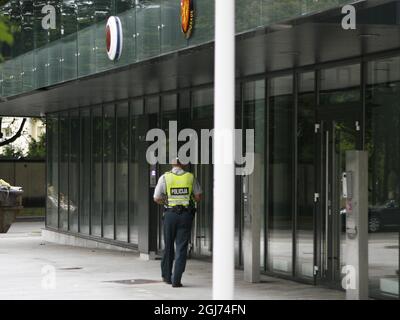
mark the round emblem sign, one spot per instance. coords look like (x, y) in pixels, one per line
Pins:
(187, 17)
(114, 38)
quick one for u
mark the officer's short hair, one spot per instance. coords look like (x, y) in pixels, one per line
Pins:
(176, 161)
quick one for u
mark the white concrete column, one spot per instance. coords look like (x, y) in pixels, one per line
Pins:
(224, 175)
(356, 252)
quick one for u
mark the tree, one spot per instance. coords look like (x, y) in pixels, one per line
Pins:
(6, 36)
(11, 152)
(37, 148)
(15, 136)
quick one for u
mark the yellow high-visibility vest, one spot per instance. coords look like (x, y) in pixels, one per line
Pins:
(179, 188)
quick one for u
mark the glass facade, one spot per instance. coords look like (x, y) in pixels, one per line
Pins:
(383, 146)
(280, 174)
(94, 167)
(76, 47)
(306, 169)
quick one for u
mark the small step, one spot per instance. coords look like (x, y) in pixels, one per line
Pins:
(390, 285)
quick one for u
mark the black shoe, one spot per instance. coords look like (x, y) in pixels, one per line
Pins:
(177, 285)
(166, 281)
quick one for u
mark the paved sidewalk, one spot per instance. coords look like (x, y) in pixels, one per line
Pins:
(26, 262)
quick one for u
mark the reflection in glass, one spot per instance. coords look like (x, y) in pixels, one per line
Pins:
(172, 37)
(305, 176)
(73, 182)
(202, 118)
(248, 14)
(383, 145)
(84, 172)
(148, 28)
(134, 182)
(340, 85)
(121, 174)
(96, 167)
(52, 171)
(280, 175)
(108, 171)
(63, 174)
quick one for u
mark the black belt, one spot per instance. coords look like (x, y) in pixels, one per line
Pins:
(178, 209)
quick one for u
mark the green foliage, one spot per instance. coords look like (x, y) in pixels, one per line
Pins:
(11, 152)
(37, 148)
(5, 33)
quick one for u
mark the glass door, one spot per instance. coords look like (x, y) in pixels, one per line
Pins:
(202, 117)
(336, 137)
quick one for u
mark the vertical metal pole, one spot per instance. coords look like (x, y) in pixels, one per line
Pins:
(224, 176)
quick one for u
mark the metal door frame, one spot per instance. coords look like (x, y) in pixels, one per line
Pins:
(327, 237)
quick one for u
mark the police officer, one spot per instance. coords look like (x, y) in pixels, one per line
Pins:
(176, 190)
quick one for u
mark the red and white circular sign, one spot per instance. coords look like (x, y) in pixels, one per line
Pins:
(114, 38)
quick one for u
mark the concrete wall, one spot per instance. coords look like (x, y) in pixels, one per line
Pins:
(76, 241)
(30, 175)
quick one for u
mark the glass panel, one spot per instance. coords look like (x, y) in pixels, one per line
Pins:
(54, 62)
(277, 10)
(123, 5)
(169, 105)
(134, 196)
(280, 175)
(148, 24)
(1, 79)
(203, 104)
(305, 176)
(108, 171)
(203, 29)
(340, 86)
(184, 113)
(69, 61)
(69, 19)
(41, 69)
(64, 155)
(239, 217)
(27, 26)
(85, 13)
(121, 174)
(96, 167)
(128, 20)
(9, 75)
(254, 118)
(28, 74)
(248, 14)
(203, 118)
(172, 37)
(85, 167)
(86, 54)
(52, 171)
(74, 171)
(383, 145)
(103, 9)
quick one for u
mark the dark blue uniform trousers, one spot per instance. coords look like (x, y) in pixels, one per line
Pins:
(177, 230)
